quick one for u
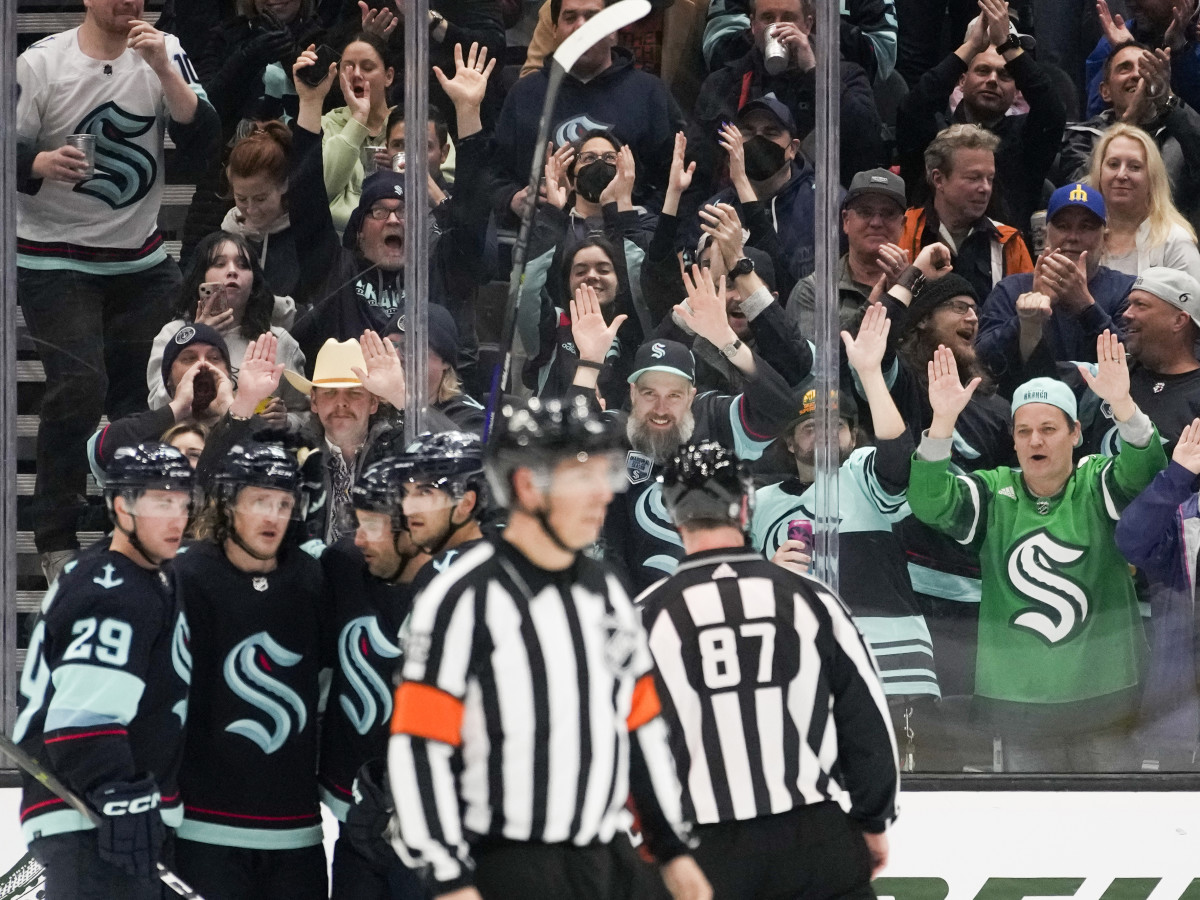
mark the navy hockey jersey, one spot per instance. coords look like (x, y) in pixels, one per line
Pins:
(249, 776)
(104, 694)
(367, 615)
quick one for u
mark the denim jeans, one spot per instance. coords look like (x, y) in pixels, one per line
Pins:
(93, 334)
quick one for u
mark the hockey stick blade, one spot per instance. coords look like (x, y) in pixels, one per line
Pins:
(609, 20)
(37, 771)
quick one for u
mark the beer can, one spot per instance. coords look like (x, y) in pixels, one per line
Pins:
(87, 144)
(398, 162)
(368, 157)
(1037, 231)
(775, 55)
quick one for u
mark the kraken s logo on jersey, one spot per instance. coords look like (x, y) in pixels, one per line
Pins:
(125, 172)
(654, 521)
(357, 640)
(246, 669)
(1062, 604)
(570, 130)
(181, 660)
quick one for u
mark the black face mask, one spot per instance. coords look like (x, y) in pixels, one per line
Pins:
(592, 179)
(763, 158)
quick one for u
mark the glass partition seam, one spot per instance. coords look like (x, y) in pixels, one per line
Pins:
(8, 355)
(416, 215)
(828, 32)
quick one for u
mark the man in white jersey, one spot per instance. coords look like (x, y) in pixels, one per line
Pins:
(94, 279)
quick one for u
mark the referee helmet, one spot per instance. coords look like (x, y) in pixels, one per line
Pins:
(705, 485)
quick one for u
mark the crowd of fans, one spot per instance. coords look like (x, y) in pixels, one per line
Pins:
(1007, 215)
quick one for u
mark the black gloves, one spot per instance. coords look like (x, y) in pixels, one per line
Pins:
(131, 830)
(370, 814)
(269, 46)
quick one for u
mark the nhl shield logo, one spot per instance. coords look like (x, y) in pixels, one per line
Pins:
(638, 466)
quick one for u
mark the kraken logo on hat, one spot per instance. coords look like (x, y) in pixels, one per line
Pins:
(183, 335)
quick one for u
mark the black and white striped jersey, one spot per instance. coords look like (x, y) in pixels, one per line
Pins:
(772, 699)
(527, 712)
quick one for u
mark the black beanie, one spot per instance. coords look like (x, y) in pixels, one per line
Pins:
(381, 185)
(932, 295)
(184, 338)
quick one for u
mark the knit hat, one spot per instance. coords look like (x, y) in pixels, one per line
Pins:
(933, 295)
(383, 185)
(184, 338)
(442, 335)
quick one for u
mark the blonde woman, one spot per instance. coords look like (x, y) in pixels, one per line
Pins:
(1144, 227)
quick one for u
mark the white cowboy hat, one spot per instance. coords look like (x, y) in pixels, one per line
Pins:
(334, 369)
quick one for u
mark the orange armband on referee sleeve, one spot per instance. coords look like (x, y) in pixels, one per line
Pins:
(427, 712)
(645, 703)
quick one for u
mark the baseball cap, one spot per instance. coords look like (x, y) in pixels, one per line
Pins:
(1174, 286)
(877, 181)
(1077, 194)
(804, 396)
(1046, 390)
(776, 107)
(442, 334)
(184, 338)
(664, 356)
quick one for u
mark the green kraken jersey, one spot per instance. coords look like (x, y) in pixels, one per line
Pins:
(1058, 620)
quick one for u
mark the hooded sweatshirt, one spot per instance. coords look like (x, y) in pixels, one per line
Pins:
(276, 249)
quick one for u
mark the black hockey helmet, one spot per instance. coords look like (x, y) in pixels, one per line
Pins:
(378, 489)
(541, 433)
(451, 461)
(254, 464)
(706, 482)
(149, 466)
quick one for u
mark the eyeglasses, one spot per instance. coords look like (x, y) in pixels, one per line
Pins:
(888, 214)
(586, 159)
(961, 307)
(381, 213)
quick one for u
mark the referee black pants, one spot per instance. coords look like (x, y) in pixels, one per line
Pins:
(812, 852)
(505, 870)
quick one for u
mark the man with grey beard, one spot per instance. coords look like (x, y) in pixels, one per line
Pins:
(666, 411)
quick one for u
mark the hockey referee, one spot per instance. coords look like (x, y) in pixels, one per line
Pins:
(775, 709)
(528, 713)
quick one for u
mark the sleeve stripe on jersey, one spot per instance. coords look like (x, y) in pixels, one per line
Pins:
(645, 704)
(426, 712)
(88, 695)
(86, 734)
(1110, 505)
(973, 491)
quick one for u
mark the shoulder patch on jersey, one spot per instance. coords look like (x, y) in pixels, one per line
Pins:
(417, 645)
(724, 570)
(108, 582)
(638, 466)
(1007, 491)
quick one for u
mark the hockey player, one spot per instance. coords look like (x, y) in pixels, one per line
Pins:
(770, 697)
(527, 708)
(252, 820)
(93, 275)
(442, 494)
(104, 694)
(871, 562)
(369, 578)
(1061, 643)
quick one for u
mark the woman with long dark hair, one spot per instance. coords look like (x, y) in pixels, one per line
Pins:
(239, 304)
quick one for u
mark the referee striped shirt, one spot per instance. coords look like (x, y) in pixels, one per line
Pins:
(526, 707)
(772, 698)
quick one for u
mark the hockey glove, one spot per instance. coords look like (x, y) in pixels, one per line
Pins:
(369, 814)
(131, 830)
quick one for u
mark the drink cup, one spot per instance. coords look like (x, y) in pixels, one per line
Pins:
(87, 144)
(368, 157)
(775, 55)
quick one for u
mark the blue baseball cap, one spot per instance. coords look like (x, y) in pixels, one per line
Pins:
(1046, 390)
(1077, 194)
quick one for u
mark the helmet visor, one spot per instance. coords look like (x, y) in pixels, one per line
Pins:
(155, 504)
(585, 475)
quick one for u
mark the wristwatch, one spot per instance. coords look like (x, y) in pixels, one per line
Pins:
(743, 266)
(912, 279)
(435, 19)
(1012, 42)
(729, 351)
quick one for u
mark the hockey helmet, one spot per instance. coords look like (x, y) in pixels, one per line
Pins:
(149, 466)
(706, 482)
(254, 464)
(538, 434)
(451, 461)
(379, 489)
